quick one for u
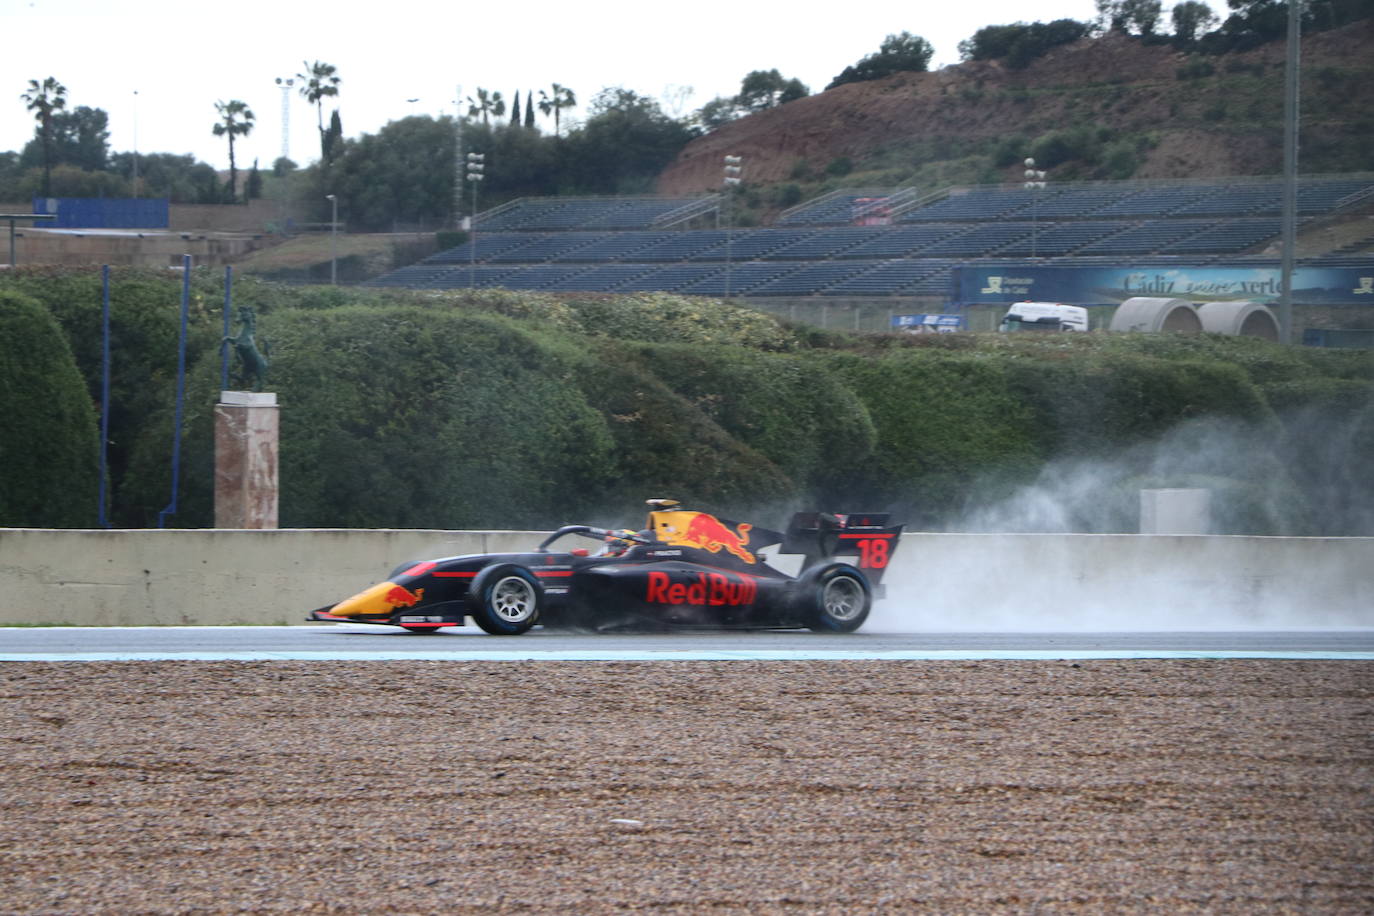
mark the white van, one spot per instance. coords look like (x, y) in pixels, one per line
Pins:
(1044, 316)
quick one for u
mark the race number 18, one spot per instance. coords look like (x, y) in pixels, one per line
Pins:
(873, 553)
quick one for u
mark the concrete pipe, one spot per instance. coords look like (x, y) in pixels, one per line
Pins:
(1152, 315)
(1239, 319)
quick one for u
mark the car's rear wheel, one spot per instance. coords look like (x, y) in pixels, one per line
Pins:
(506, 600)
(837, 599)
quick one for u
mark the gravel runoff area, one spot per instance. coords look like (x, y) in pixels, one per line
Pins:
(687, 787)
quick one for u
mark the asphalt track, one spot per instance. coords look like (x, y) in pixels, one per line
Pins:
(352, 642)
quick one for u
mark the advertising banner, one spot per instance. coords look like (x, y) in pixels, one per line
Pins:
(928, 324)
(105, 213)
(1113, 285)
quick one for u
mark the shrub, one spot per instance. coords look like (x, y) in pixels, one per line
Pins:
(48, 436)
(789, 409)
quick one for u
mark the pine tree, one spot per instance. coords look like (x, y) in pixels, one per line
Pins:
(515, 110)
(529, 111)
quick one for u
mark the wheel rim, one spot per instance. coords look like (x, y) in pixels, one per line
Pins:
(843, 598)
(512, 599)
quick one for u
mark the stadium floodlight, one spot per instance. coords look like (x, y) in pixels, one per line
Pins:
(734, 170)
(477, 167)
(1035, 181)
(285, 84)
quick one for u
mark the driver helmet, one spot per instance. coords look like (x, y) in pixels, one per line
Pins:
(617, 542)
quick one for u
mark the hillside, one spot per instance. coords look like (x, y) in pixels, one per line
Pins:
(1140, 111)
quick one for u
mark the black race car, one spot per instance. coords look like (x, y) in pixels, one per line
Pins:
(683, 569)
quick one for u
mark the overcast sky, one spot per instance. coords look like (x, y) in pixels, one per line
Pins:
(157, 67)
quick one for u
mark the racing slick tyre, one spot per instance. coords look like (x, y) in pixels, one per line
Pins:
(506, 600)
(835, 598)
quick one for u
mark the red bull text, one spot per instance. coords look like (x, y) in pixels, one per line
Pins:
(704, 589)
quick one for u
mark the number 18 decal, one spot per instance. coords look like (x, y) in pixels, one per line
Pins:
(873, 552)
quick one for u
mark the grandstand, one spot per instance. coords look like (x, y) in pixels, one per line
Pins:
(876, 242)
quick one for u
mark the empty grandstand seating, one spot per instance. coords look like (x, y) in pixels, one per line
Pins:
(618, 244)
(849, 206)
(562, 213)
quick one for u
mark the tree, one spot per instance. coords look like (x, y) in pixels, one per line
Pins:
(403, 173)
(717, 112)
(1020, 43)
(333, 138)
(529, 110)
(626, 141)
(1191, 17)
(182, 179)
(486, 104)
(515, 110)
(43, 99)
(1137, 17)
(236, 120)
(762, 89)
(554, 102)
(319, 80)
(897, 53)
(254, 189)
(79, 138)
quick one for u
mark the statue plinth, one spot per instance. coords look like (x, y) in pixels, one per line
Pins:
(246, 431)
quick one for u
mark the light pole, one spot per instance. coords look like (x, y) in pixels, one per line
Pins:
(476, 172)
(135, 143)
(1035, 182)
(734, 168)
(458, 160)
(285, 83)
(333, 239)
(1291, 74)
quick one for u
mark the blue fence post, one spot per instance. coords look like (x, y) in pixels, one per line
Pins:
(104, 389)
(181, 390)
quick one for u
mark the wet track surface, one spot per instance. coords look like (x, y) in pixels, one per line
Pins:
(363, 642)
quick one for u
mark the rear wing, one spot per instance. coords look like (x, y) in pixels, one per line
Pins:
(819, 536)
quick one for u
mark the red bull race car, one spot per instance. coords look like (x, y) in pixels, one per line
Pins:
(684, 569)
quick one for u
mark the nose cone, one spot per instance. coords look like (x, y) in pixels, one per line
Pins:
(382, 598)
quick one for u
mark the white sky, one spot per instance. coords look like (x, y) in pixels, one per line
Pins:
(157, 67)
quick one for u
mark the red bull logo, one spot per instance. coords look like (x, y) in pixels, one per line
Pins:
(705, 589)
(400, 596)
(706, 531)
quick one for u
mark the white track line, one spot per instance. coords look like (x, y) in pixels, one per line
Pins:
(659, 655)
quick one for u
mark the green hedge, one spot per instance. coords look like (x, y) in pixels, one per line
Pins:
(49, 439)
(476, 408)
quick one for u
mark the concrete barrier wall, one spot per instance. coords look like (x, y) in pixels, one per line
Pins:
(1128, 582)
(208, 576)
(937, 581)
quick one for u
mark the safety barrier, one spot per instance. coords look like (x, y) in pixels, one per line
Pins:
(953, 581)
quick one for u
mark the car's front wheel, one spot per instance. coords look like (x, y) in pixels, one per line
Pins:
(836, 598)
(506, 600)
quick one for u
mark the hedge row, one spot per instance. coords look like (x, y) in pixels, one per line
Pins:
(502, 409)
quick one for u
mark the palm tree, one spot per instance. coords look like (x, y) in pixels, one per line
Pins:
(235, 121)
(319, 80)
(486, 103)
(554, 102)
(43, 99)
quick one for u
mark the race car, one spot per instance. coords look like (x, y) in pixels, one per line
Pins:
(684, 569)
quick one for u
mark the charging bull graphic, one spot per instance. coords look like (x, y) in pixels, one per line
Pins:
(707, 532)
